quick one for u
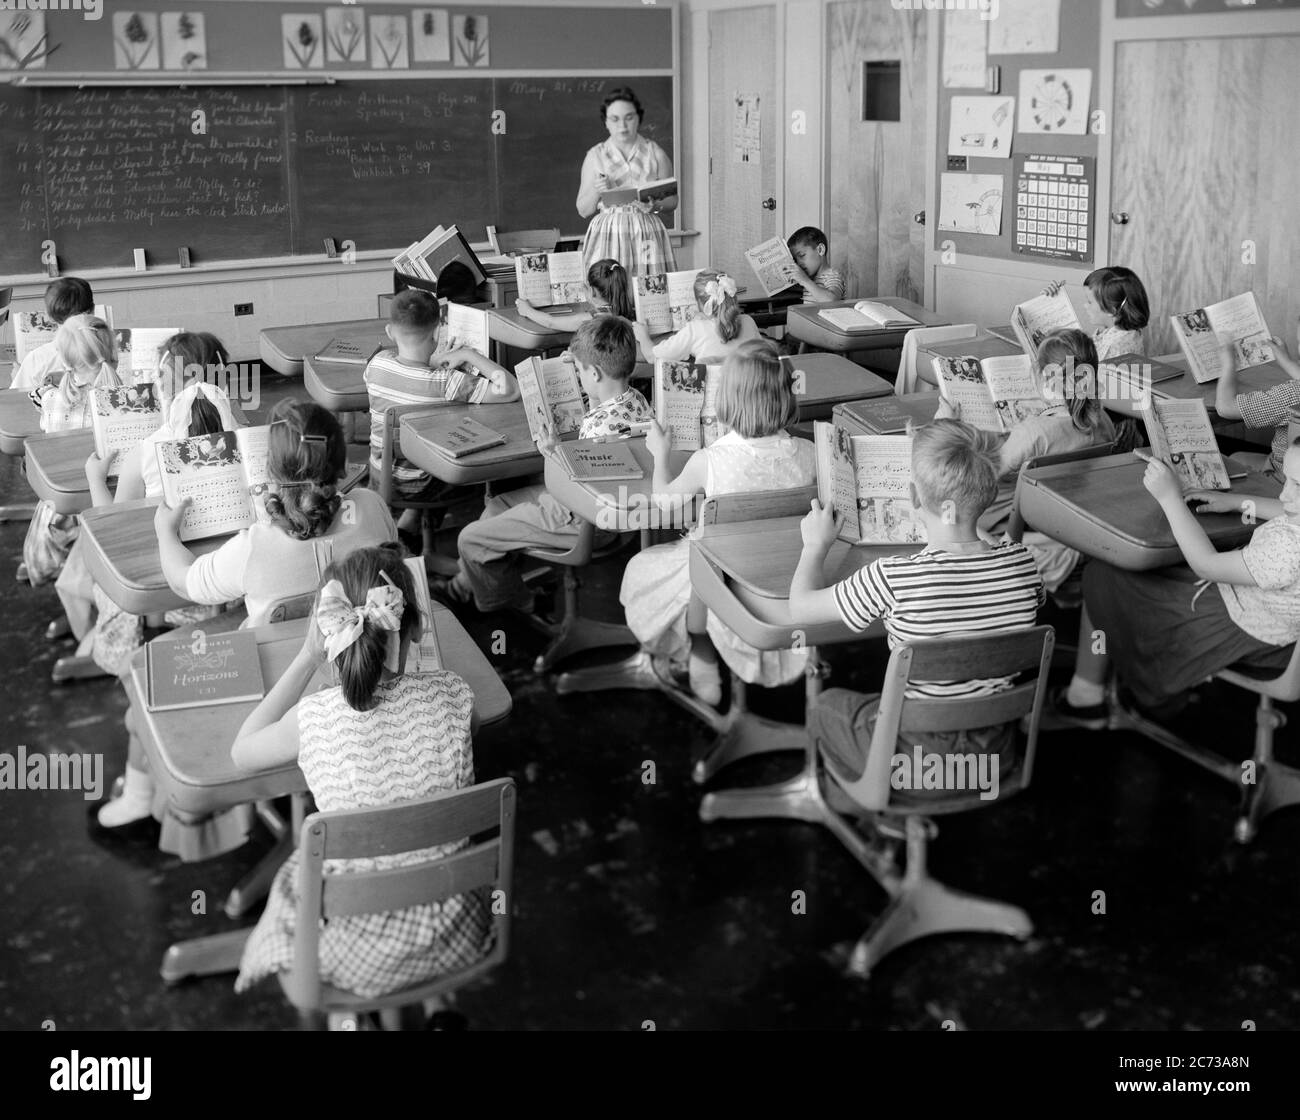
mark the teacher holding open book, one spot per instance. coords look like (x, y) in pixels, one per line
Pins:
(627, 182)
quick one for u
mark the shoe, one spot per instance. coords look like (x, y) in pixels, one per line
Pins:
(706, 680)
(671, 673)
(135, 804)
(439, 566)
(451, 593)
(1059, 714)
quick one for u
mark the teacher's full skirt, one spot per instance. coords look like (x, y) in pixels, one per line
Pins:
(632, 236)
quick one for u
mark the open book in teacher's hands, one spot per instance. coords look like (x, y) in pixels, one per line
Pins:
(217, 472)
(652, 192)
(867, 315)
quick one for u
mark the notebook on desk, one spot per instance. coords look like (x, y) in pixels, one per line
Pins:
(891, 415)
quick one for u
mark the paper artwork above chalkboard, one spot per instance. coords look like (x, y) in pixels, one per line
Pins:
(135, 41)
(431, 35)
(23, 42)
(470, 40)
(303, 47)
(184, 41)
(388, 46)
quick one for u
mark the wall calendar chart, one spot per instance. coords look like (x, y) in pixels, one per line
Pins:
(1054, 205)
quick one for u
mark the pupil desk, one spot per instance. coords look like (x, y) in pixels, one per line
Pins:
(1101, 508)
(518, 457)
(19, 418)
(803, 322)
(189, 755)
(284, 349)
(56, 468)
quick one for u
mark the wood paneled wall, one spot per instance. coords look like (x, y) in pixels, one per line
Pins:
(1207, 135)
(876, 170)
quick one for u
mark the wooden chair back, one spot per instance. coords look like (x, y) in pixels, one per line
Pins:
(909, 379)
(960, 658)
(523, 240)
(484, 814)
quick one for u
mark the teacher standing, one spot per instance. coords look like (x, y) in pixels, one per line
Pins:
(631, 233)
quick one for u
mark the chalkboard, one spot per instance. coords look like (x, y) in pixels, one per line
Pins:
(102, 172)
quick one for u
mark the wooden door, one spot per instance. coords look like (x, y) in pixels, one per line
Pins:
(742, 67)
(877, 168)
(1206, 135)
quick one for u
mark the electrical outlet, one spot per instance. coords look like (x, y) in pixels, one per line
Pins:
(243, 309)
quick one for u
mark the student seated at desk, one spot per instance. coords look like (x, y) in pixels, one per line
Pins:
(378, 737)
(958, 584)
(406, 376)
(1118, 295)
(756, 403)
(820, 282)
(1067, 365)
(609, 293)
(65, 297)
(190, 407)
(273, 560)
(1169, 630)
(720, 329)
(604, 352)
(1268, 408)
(87, 353)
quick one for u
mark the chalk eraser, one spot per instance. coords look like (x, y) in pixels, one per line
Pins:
(139, 260)
(52, 267)
(331, 247)
(183, 255)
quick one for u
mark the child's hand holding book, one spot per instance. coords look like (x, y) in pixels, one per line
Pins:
(658, 442)
(820, 527)
(547, 441)
(167, 519)
(1161, 481)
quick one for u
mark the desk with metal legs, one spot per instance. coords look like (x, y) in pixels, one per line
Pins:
(189, 755)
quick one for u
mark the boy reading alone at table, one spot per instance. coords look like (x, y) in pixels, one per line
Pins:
(959, 583)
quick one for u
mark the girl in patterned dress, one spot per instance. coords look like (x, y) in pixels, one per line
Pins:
(379, 737)
(756, 403)
(630, 233)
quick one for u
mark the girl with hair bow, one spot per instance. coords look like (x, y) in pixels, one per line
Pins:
(378, 737)
(714, 330)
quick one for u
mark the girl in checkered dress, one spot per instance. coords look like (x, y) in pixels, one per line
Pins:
(379, 737)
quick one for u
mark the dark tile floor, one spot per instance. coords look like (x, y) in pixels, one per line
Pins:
(629, 909)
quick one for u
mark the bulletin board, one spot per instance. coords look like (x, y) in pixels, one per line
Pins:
(1080, 31)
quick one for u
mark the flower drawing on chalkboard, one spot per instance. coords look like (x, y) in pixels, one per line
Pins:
(388, 42)
(135, 40)
(23, 42)
(302, 35)
(471, 37)
(345, 35)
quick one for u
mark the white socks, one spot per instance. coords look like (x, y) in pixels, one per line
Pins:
(136, 801)
(1084, 694)
(706, 681)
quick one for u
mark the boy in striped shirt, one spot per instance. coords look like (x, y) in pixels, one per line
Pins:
(405, 376)
(959, 583)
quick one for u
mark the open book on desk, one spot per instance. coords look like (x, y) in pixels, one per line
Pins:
(868, 315)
